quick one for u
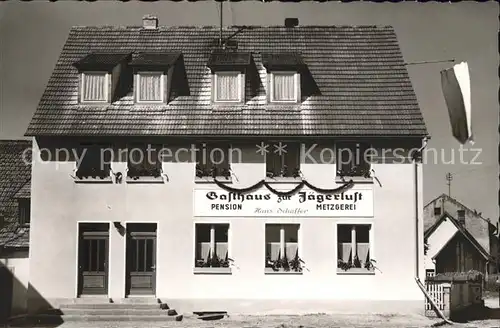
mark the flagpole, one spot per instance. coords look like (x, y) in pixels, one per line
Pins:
(432, 62)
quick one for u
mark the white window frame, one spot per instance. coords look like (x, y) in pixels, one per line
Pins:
(296, 91)
(162, 87)
(371, 241)
(240, 77)
(283, 238)
(212, 225)
(106, 86)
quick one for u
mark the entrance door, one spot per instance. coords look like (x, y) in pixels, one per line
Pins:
(141, 259)
(93, 259)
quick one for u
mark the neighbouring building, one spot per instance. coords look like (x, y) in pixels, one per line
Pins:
(459, 239)
(15, 189)
(183, 232)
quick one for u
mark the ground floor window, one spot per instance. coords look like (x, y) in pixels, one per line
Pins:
(354, 247)
(211, 245)
(282, 248)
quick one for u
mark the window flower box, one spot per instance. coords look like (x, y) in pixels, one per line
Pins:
(92, 175)
(209, 270)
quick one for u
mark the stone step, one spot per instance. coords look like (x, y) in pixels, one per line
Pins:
(47, 319)
(115, 311)
(113, 306)
(137, 300)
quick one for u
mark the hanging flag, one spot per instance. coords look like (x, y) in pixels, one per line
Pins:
(456, 89)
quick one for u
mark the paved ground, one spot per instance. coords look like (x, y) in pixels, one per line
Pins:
(304, 321)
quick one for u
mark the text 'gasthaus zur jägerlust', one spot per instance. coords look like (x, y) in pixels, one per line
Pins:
(293, 204)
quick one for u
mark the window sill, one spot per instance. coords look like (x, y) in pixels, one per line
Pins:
(211, 180)
(355, 271)
(145, 179)
(354, 179)
(212, 270)
(271, 272)
(284, 180)
(93, 180)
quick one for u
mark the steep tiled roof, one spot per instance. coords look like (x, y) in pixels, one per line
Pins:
(475, 224)
(462, 230)
(24, 192)
(15, 174)
(364, 87)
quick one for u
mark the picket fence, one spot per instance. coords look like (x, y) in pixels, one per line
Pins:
(436, 291)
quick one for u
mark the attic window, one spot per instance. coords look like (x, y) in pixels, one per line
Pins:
(95, 87)
(284, 86)
(150, 87)
(229, 69)
(284, 76)
(100, 73)
(228, 87)
(437, 211)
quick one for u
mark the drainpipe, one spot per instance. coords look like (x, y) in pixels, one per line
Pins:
(417, 237)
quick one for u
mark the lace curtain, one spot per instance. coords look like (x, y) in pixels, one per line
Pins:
(284, 87)
(150, 87)
(204, 250)
(94, 87)
(227, 87)
(273, 250)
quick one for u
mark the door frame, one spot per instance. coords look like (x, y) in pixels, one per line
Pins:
(77, 276)
(125, 273)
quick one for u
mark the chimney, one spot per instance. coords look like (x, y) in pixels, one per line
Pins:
(291, 22)
(150, 22)
(461, 217)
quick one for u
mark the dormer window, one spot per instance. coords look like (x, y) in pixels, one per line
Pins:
(228, 87)
(153, 75)
(150, 87)
(95, 87)
(284, 86)
(229, 70)
(101, 77)
(284, 76)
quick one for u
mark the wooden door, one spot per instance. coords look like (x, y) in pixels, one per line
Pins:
(141, 260)
(93, 260)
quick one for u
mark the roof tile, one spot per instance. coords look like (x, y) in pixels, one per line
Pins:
(363, 87)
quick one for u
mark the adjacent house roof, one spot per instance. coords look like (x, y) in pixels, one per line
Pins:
(362, 82)
(477, 226)
(15, 176)
(461, 230)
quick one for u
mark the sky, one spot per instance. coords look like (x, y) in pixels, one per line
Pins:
(32, 35)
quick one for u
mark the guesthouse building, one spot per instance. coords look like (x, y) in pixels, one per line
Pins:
(212, 170)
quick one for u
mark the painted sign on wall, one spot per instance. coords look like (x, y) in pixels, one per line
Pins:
(264, 203)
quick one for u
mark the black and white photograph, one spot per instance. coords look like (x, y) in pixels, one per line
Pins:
(249, 164)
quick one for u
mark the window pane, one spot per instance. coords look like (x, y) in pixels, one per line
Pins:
(221, 233)
(291, 240)
(150, 87)
(94, 87)
(202, 237)
(273, 241)
(141, 248)
(284, 87)
(221, 240)
(227, 87)
(149, 254)
(344, 233)
(353, 158)
(363, 233)
(101, 253)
